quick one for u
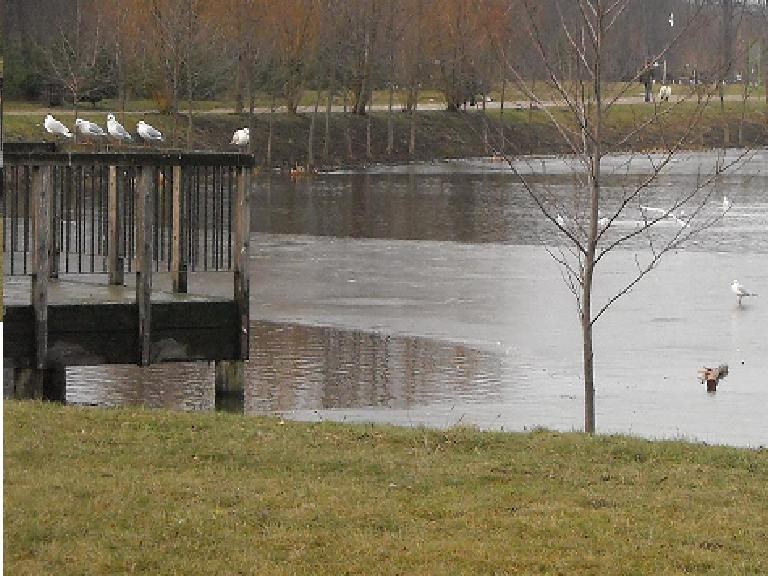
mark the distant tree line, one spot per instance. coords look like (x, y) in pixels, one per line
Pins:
(174, 50)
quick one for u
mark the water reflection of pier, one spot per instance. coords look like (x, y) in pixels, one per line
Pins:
(75, 223)
(297, 368)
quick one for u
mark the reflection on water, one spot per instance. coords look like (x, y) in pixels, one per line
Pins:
(307, 368)
(477, 201)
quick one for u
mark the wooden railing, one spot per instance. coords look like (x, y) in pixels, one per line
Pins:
(74, 213)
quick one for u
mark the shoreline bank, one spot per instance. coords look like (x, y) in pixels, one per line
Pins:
(342, 140)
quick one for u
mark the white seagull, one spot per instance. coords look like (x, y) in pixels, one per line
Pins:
(740, 291)
(726, 204)
(53, 126)
(241, 137)
(148, 132)
(87, 128)
(667, 214)
(116, 129)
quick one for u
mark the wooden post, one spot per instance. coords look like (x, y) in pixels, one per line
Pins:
(36, 384)
(178, 264)
(230, 385)
(41, 196)
(27, 383)
(146, 184)
(54, 223)
(115, 263)
(241, 233)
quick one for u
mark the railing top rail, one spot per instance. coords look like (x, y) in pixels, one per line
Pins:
(164, 158)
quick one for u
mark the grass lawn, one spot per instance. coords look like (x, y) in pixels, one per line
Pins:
(96, 491)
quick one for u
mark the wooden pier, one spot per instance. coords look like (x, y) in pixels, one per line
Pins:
(85, 234)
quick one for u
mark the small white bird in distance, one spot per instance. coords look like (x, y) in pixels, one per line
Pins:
(740, 291)
(88, 128)
(726, 204)
(667, 214)
(116, 129)
(148, 132)
(241, 137)
(53, 126)
(560, 221)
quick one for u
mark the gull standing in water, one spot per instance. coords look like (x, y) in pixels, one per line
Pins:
(740, 291)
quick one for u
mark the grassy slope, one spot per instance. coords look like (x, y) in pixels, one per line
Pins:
(440, 134)
(91, 491)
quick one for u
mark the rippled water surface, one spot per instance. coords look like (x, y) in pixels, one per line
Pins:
(423, 295)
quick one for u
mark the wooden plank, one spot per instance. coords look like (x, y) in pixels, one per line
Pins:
(115, 263)
(41, 195)
(146, 184)
(54, 224)
(130, 158)
(240, 239)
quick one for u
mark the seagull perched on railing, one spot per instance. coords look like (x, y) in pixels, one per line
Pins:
(148, 132)
(116, 129)
(740, 291)
(53, 126)
(88, 128)
(241, 137)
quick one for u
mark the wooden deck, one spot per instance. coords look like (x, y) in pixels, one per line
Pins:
(91, 323)
(132, 209)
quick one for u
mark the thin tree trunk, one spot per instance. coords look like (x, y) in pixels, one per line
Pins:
(589, 258)
(391, 40)
(485, 127)
(269, 135)
(390, 121)
(412, 141)
(368, 147)
(348, 137)
(251, 104)
(311, 143)
(328, 107)
(501, 107)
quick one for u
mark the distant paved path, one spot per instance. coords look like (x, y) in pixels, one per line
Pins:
(513, 104)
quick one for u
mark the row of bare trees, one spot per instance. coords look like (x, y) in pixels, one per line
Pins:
(173, 50)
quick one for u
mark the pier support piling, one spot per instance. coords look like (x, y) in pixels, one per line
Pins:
(115, 255)
(40, 384)
(144, 192)
(230, 385)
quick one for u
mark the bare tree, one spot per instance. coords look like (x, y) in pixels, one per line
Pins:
(585, 220)
(74, 53)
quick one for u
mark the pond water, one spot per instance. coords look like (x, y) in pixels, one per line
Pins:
(423, 295)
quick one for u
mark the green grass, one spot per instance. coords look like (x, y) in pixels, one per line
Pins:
(93, 491)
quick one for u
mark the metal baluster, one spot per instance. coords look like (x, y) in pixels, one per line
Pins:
(197, 216)
(229, 223)
(92, 205)
(205, 221)
(67, 216)
(15, 216)
(25, 221)
(214, 221)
